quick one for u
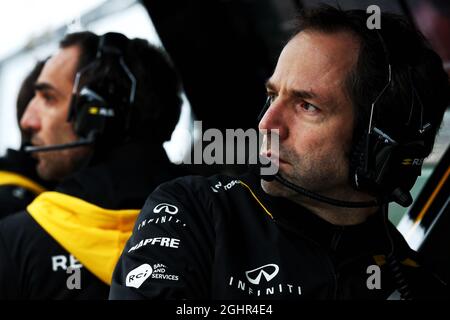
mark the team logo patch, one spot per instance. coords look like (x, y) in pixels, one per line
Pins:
(136, 277)
(167, 208)
(268, 271)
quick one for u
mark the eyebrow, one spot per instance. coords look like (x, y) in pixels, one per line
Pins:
(302, 94)
(45, 86)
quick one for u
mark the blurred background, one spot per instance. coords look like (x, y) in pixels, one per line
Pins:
(223, 49)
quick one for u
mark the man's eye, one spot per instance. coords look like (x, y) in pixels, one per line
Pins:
(48, 98)
(309, 107)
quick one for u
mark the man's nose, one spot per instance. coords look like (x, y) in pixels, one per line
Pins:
(275, 117)
(30, 120)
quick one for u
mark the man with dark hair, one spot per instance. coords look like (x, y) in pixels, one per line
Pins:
(19, 182)
(102, 109)
(356, 111)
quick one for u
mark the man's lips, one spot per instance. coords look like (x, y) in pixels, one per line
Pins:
(274, 157)
(36, 141)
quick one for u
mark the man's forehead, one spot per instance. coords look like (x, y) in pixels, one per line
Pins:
(61, 66)
(339, 47)
(317, 60)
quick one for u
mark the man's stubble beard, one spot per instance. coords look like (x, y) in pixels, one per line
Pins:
(324, 176)
(57, 165)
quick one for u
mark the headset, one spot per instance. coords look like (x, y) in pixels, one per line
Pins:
(383, 166)
(379, 164)
(101, 108)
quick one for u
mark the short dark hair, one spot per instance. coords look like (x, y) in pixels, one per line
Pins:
(26, 94)
(157, 105)
(415, 68)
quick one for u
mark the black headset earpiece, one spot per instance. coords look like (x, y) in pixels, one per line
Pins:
(383, 166)
(102, 106)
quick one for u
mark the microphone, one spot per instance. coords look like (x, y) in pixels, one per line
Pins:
(318, 197)
(81, 142)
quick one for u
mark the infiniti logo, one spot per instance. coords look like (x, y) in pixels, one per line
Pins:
(168, 208)
(269, 271)
(253, 286)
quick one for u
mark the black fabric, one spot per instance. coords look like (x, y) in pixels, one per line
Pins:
(223, 235)
(28, 268)
(123, 181)
(15, 198)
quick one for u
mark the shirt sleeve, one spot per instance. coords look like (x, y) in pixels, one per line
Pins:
(171, 250)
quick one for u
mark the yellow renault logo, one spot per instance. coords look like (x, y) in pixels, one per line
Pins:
(407, 162)
(412, 162)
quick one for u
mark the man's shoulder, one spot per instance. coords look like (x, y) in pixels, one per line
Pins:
(20, 231)
(36, 264)
(214, 187)
(18, 224)
(215, 183)
(13, 199)
(199, 197)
